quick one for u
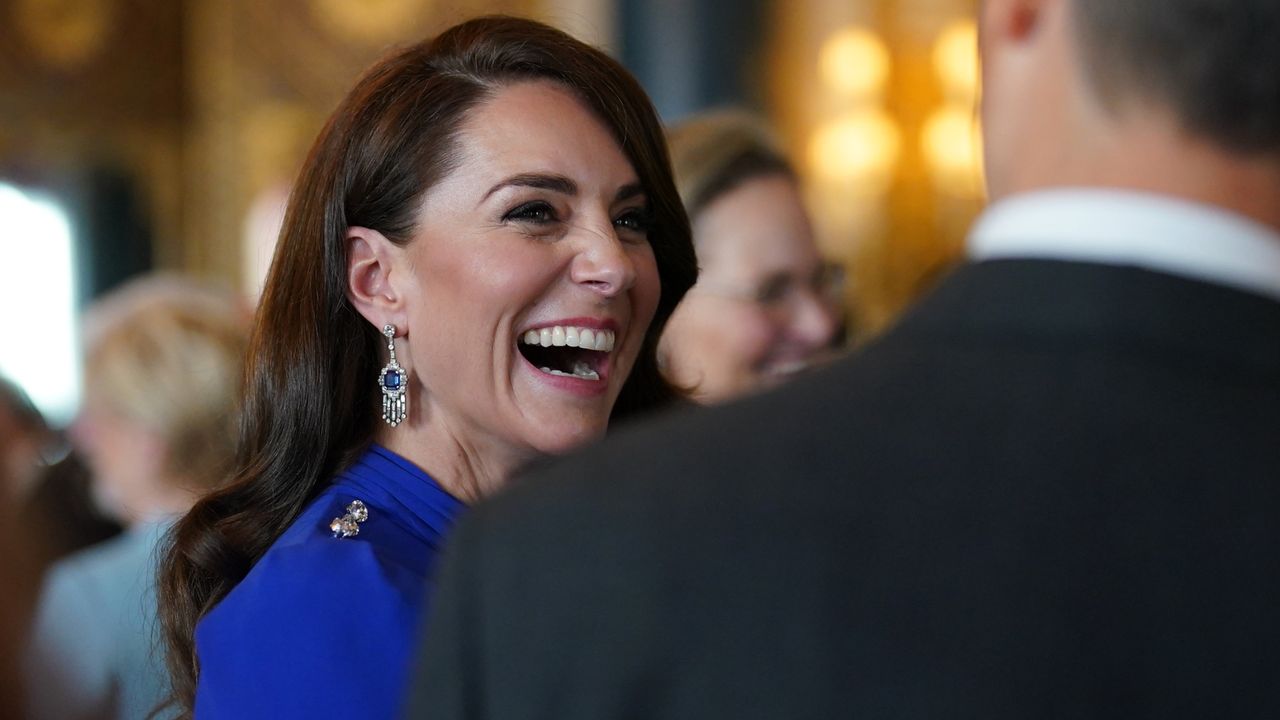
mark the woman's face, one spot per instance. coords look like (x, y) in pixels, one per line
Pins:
(759, 312)
(530, 281)
(125, 460)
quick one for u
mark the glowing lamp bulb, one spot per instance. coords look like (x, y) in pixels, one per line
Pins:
(854, 62)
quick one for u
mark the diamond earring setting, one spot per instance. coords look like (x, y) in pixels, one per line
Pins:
(393, 381)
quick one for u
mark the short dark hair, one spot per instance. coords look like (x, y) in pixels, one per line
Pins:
(1214, 63)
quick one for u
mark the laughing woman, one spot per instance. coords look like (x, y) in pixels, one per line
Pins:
(477, 260)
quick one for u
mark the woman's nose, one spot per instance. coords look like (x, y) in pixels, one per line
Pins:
(602, 262)
(813, 319)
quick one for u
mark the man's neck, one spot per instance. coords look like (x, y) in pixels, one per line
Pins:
(1156, 156)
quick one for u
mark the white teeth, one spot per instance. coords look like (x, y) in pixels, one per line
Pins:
(583, 370)
(568, 336)
(580, 370)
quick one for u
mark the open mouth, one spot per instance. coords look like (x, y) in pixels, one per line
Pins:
(568, 351)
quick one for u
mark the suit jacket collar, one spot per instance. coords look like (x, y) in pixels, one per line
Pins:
(1056, 304)
(1160, 233)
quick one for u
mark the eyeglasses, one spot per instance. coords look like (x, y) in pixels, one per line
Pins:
(779, 291)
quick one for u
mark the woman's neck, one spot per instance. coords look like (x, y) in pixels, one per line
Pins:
(464, 468)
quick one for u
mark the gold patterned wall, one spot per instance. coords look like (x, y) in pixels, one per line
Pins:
(210, 105)
(263, 77)
(877, 100)
(207, 105)
(95, 84)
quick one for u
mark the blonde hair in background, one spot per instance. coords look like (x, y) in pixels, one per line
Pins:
(167, 353)
(714, 152)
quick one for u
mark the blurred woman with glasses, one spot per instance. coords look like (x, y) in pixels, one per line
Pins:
(766, 306)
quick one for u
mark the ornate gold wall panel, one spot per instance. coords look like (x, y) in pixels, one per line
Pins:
(213, 103)
(204, 103)
(263, 77)
(95, 84)
(861, 139)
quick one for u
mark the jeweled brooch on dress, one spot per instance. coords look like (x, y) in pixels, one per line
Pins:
(349, 525)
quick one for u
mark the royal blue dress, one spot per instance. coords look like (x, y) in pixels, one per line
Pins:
(322, 625)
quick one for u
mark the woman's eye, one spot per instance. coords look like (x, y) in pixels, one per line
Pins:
(773, 289)
(636, 220)
(534, 212)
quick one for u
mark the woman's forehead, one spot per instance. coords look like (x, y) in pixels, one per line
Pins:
(539, 126)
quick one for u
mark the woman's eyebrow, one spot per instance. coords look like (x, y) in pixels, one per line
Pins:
(626, 192)
(555, 183)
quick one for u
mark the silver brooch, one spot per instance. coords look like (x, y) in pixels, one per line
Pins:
(349, 525)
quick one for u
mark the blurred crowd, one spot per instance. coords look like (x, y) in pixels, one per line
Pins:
(156, 429)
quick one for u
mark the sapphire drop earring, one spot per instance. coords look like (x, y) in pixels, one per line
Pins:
(392, 381)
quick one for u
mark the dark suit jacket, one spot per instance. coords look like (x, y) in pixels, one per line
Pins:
(1052, 492)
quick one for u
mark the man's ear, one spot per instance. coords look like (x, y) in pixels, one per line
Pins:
(371, 278)
(1004, 21)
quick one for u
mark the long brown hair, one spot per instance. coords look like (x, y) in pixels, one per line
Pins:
(309, 408)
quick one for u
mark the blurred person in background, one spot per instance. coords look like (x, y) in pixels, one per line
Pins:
(24, 441)
(1051, 491)
(15, 575)
(13, 626)
(56, 512)
(162, 377)
(61, 514)
(766, 306)
(475, 266)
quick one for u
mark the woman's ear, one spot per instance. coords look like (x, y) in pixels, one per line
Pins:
(371, 282)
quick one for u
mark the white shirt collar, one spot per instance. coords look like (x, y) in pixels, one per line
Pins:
(1117, 227)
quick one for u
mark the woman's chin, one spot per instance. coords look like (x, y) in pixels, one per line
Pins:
(563, 437)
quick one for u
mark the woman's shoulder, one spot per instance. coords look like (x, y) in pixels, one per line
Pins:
(110, 576)
(110, 562)
(313, 609)
(344, 521)
(375, 562)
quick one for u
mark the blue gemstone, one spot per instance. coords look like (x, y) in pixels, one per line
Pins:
(391, 380)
